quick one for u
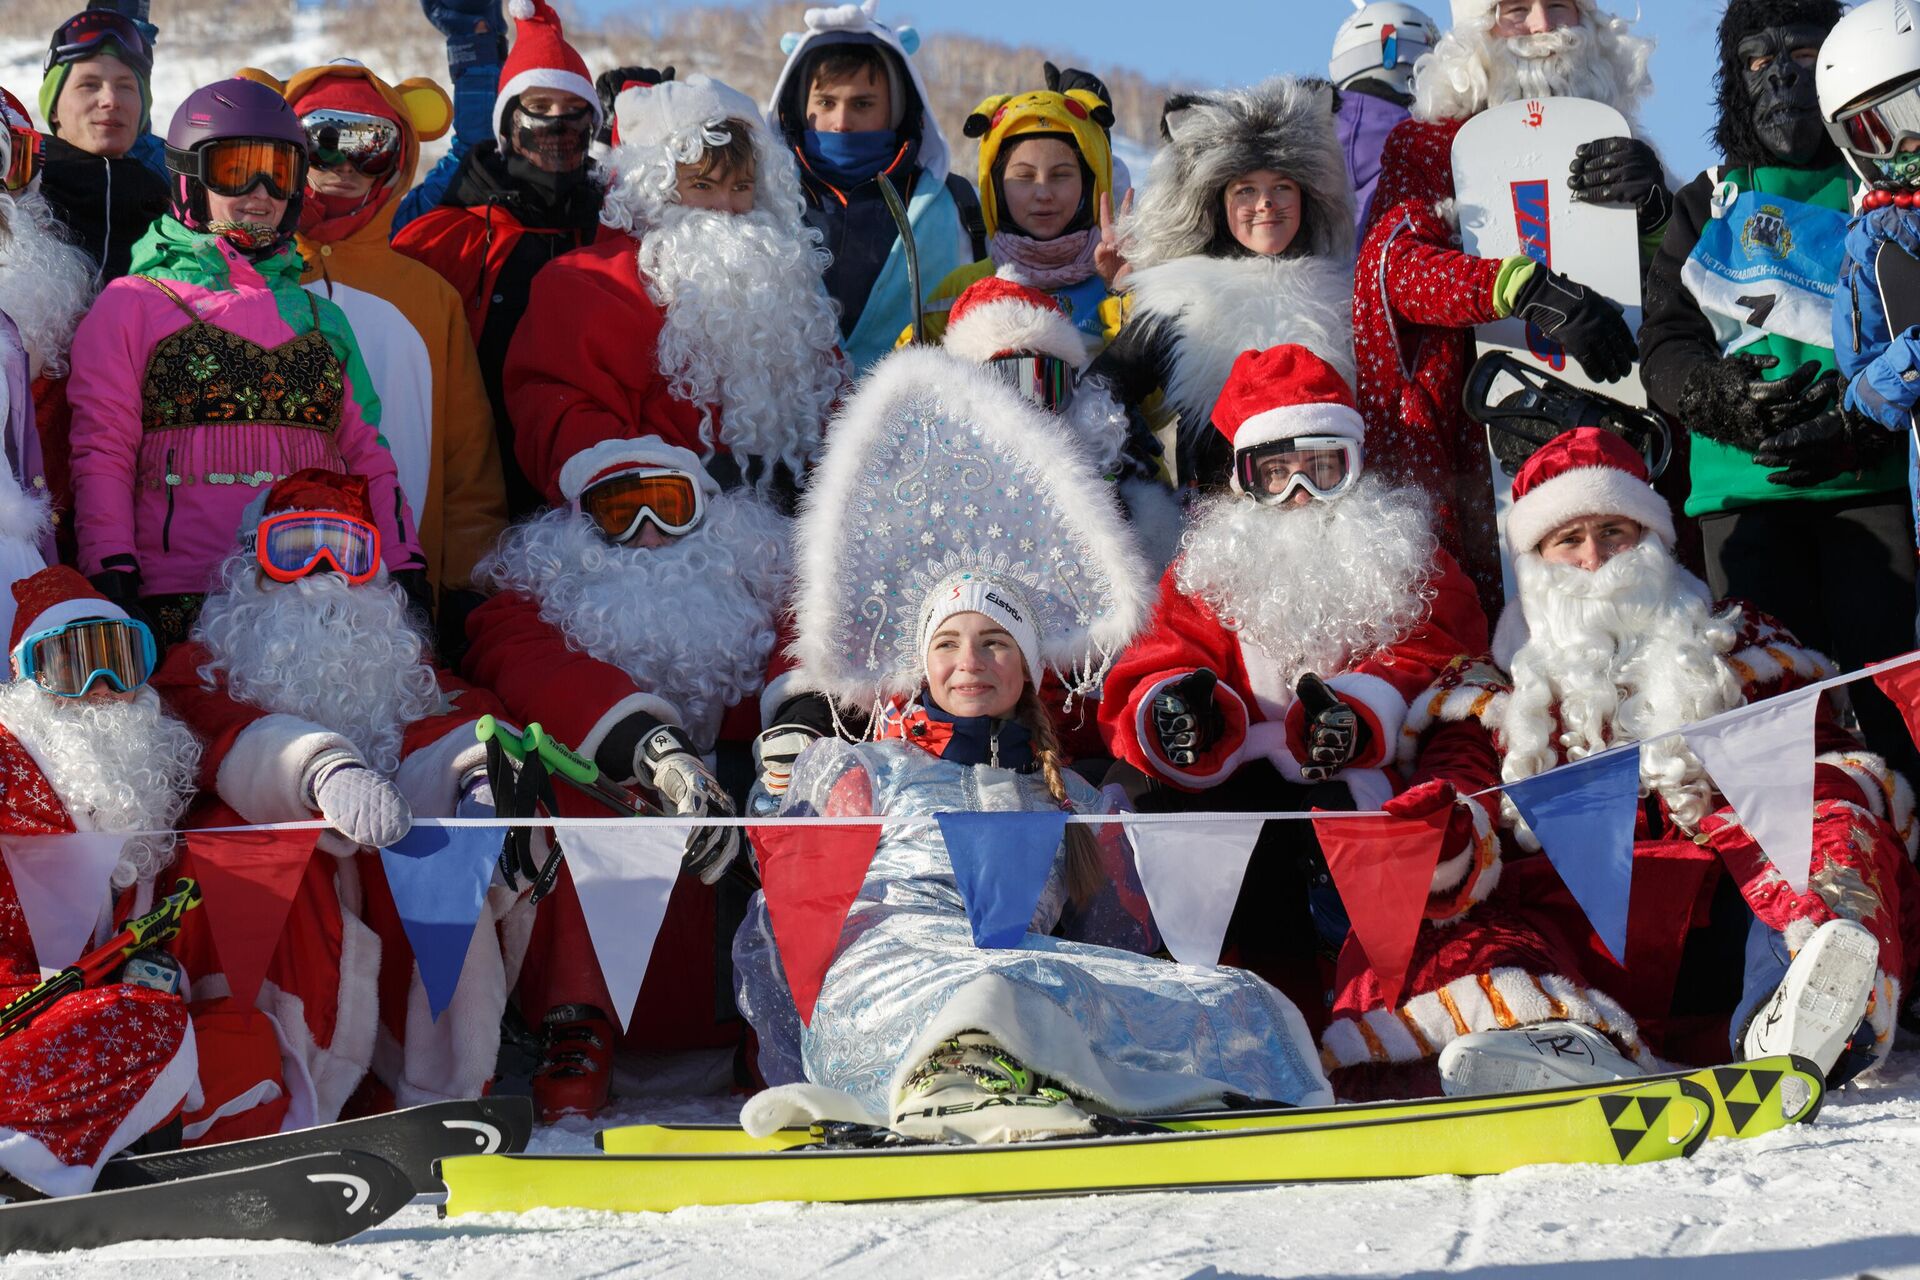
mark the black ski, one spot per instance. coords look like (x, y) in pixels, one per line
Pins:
(320, 1199)
(410, 1140)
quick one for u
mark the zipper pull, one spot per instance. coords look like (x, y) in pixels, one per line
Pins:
(993, 745)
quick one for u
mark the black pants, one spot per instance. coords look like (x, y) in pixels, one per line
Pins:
(1840, 576)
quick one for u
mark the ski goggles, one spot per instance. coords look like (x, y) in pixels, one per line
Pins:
(68, 660)
(293, 544)
(25, 148)
(235, 166)
(670, 499)
(1045, 380)
(1875, 130)
(1324, 466)
(369, 143)
(90, 31)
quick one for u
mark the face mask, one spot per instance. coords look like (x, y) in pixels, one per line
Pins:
(851, 158)
(1781, 95)
(557, 144)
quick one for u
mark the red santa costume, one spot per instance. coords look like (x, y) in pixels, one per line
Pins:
(1417, 297)
(602, 642)
(1353, 588)
(710, 330)
(1626, 652)
(318, 696)
(104, 1066)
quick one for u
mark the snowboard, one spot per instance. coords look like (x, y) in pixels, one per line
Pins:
(410, 1140)
(320, 1198)
(1897, 277)
(1642, 1121)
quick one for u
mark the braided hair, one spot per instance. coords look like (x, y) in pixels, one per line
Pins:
(1084, 875)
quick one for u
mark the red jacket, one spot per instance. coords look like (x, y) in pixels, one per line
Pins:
(1257, 701)
(1416, 301)
(582, 367)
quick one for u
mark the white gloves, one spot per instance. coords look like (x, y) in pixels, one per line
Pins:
(773, 755)
(667, 762)
(364, 809)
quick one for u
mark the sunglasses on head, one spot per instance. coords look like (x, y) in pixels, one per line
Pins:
(670, 499)
(293, 544)
(69, 660)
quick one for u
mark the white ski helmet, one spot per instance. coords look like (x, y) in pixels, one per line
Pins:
(1383, 41)
(1869, 81)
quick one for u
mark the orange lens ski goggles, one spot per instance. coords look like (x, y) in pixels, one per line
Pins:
(617, 505)
(24, 148)
(293, 544)
(235, 166)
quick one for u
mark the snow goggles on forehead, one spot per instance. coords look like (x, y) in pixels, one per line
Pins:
(25, 148)
(1324, 466)
(670, 499)
(67, 660)
(235, 166)
(369, 143)
(1045, 380)
(293, 544)
(86, 32)
(1875, 130)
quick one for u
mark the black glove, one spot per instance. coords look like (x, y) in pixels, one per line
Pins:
(1622, 171)
(1186, 719)
(476, 31)
(609, 83)
(1832, 444)
(122, 586)
(1587, 324)
(1731, 400)
(1336, 735)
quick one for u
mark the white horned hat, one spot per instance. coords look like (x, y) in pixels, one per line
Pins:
(938, 476)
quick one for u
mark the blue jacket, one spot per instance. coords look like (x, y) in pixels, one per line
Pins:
(473, 98)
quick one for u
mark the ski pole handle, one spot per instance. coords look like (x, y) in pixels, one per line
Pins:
(560, 758)
(489, 729)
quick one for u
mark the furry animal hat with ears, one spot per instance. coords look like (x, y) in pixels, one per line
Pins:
(1733, 130)
(1283, 124)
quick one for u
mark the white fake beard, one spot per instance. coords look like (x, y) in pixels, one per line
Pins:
(1318, 587)
(46, 284)
(119, 766)
(1622, 653)
(348, 658)
(1470, 71)
(694, 622)
(749, 331)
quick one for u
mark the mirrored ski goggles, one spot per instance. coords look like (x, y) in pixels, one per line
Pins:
(369, 143)
(1876, 129)
(1045, 380)
(235, 166)
(86, 32)
(293, 544)
(67, 660)
(670, 499)
(1324, 466)
(25, 148)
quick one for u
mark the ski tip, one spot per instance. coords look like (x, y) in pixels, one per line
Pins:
(514, 1116)
(363, 1189)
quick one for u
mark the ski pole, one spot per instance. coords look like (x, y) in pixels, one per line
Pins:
(91, 970)
(910, 250)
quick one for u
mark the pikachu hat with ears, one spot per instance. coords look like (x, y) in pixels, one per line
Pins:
(1077, 116)
(420, 107)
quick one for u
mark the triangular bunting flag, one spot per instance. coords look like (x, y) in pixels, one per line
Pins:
(63, 883)
(1902, 686)
(1583, 816)
(1002, 862)
(1761, 759)
(248, 880)
(811, 875)
(438, 876)
(624, 876)
(1191, 872)
(1383, 868)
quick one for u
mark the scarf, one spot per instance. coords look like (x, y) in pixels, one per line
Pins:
(1045, 264)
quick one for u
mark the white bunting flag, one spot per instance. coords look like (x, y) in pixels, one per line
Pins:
(624, 877)
(1761, 759)
(63, 883)
(1192, 873)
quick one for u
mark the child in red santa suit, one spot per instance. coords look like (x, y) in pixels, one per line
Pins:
(85, 746)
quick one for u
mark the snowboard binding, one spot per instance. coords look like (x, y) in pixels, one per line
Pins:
(1523, 407)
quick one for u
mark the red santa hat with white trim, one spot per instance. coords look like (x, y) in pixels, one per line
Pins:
(540, 58)
(1579, 473)
(1001, 317)
(53, 598)
(610, 458)
(1284, 393)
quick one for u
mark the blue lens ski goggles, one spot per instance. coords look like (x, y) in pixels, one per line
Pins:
(67, 660)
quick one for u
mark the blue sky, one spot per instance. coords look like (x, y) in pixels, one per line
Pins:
(1239, 41)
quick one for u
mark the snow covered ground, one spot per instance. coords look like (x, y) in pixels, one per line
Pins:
(1837, 1199)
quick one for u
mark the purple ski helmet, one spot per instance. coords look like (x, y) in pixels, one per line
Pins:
(224, 110)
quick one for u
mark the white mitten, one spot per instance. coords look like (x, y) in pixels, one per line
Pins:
(361, 805)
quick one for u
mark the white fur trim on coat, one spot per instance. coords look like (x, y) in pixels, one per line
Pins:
(23, 514)
(635, 703)
(430, 777)
(261, 776)
(1586, 491)
(1378, 697)
(985, 331)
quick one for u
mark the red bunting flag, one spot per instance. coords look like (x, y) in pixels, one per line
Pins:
(1902, 687)
(248, 880)
(811, 875)
(1383, 868)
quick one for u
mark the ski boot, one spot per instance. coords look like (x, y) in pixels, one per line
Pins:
(576, 1070)
(1820, 1003)
(970, 1090)
(1545, 1055)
